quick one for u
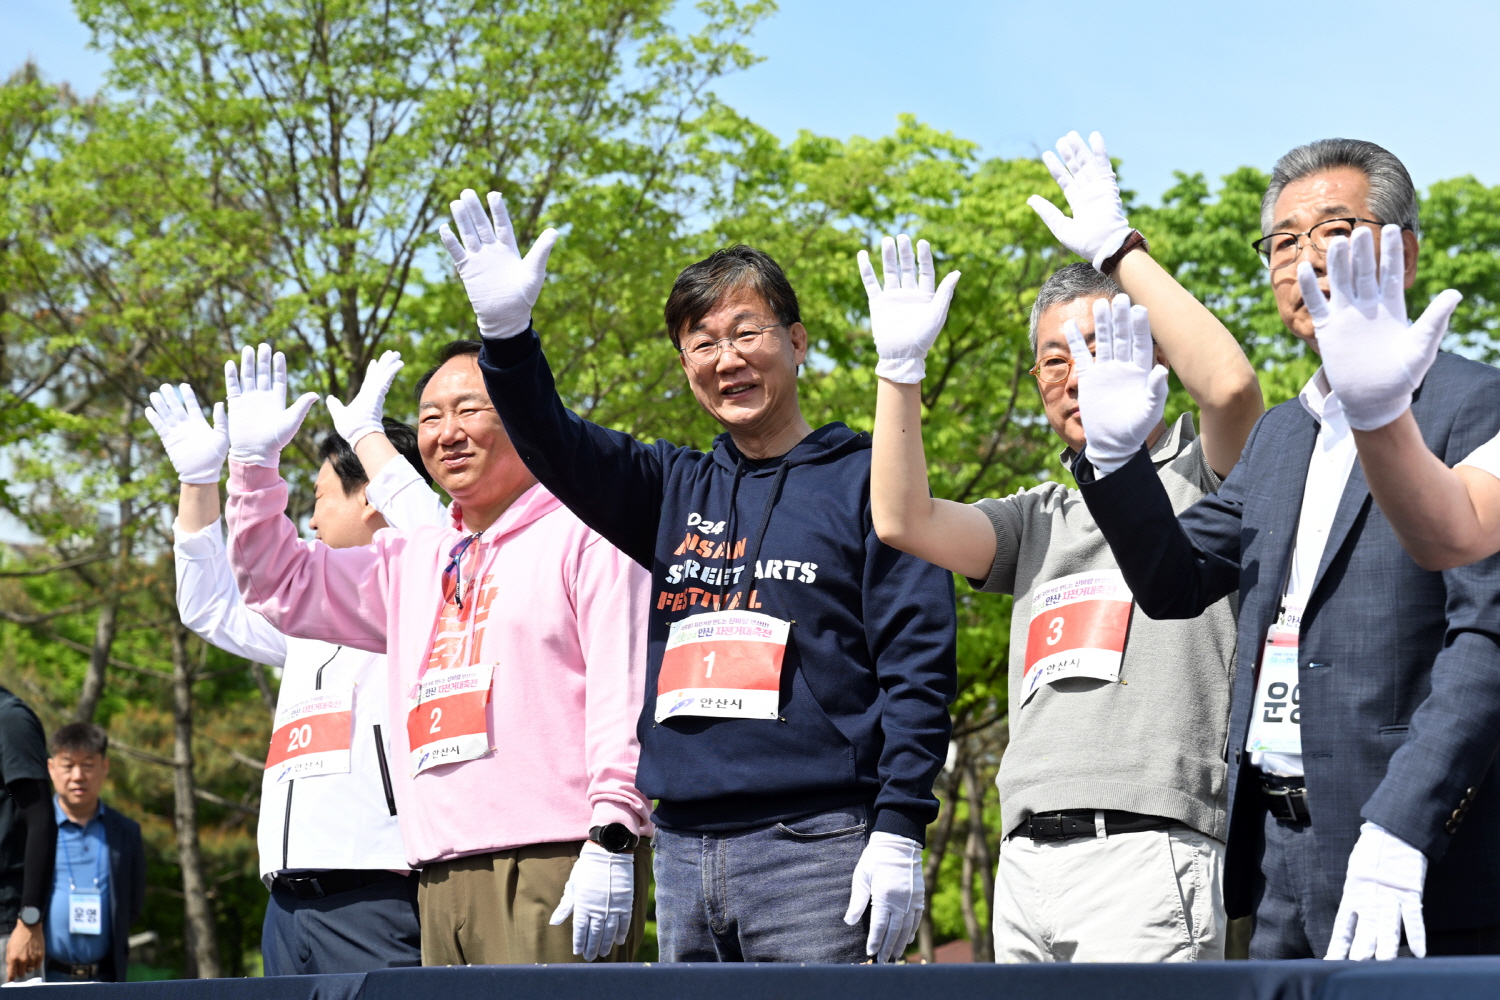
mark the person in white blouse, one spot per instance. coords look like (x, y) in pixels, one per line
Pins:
(331, 854)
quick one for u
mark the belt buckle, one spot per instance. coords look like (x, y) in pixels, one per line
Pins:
(1282, 803)
(1047, 828)
(306, 887)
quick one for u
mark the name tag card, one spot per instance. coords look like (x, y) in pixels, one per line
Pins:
(1276, 725)
(446, 722)
(312, 736)
(1078, 628)
(724, 664)
(85, 913)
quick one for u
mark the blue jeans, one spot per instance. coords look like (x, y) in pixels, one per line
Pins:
(771, 894)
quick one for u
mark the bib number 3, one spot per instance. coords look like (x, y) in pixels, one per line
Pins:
(1078, 628)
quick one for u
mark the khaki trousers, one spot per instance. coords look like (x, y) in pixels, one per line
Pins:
(493, 909)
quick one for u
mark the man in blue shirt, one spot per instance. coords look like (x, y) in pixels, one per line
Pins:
(99, 879)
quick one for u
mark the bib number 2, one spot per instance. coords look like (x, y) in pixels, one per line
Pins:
(447, 721)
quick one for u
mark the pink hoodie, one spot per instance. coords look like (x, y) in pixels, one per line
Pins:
(564, 621)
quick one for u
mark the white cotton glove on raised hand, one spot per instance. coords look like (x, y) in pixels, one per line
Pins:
(1098, 227)
(908, 313)
(600, 894)
(363, 414)
(195, 449)
(502, 285)
(1122, 391)
(889, 880)
(260, 422)
(1373, 357)
(1382, 891)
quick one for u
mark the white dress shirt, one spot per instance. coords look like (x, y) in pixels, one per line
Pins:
(1328, 471)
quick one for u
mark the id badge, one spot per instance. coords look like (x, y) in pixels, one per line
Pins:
(312, 736)
(446, 722)
(722, 664)
(85, 914)
(1276, 725)
(1078, 628)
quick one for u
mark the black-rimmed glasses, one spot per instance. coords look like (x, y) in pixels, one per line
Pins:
(1280, 250)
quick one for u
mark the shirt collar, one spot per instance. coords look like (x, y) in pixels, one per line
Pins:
(63, 817)
(1320, 400)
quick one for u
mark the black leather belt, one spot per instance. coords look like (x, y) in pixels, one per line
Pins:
(331, 883)
(86, 970)
(1070, 823)
(1286, 798)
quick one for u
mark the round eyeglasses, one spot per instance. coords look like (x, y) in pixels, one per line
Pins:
(701, 349)
(1053, 368)
(1282, 249)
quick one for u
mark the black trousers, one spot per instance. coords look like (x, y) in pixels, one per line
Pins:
(372, 927)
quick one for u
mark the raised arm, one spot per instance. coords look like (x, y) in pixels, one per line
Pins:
(1199, 348)
(305, 589)
(905, 318)
(1375, 360)
(611, 481)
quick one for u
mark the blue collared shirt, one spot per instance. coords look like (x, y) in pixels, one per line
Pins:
(82, 866)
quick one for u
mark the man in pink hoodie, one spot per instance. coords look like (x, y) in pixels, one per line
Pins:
(516, 662)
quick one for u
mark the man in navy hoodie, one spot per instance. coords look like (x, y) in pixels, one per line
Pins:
(799, 670)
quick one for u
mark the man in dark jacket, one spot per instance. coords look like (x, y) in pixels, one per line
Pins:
(799, 670)
(27, 838)
(99, 879)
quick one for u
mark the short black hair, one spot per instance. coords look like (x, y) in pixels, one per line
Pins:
(455, 349)
(700, 286)
(351, 471)
(79, 738)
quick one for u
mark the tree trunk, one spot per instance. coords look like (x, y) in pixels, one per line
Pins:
(263, 684)
(977, 856)
(202, 946)
(104, 641)
(937, 848)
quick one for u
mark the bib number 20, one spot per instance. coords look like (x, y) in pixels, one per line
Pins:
(299, 738)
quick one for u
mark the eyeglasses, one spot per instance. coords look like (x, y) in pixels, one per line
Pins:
(453, 573)
(1281, 249)
(1053, 368)
(705, 350)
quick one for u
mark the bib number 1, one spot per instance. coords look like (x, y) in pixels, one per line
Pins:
(723, 664)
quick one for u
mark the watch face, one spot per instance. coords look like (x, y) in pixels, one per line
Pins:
(615, 838)
(30, 915)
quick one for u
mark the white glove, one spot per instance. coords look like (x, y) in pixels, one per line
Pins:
(502, 285)
(907, 314)
(362, 415)
(1382, 890)
(888, 879)
(1098, 227)
(195, 449)
(1373, 357)
(1122, 392)
(260, 422)
(600, 893)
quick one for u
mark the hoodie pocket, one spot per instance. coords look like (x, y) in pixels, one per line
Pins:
(823, 739)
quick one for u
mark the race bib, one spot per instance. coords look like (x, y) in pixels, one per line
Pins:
(1078, 627)
(1276, 725)
(85, 914)
(312, 736)
(446, 722)
(725, 664)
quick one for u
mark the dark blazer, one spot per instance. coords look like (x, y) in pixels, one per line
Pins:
(1399, 667)
(127, 884)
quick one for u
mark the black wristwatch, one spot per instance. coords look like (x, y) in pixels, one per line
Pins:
(31, 916)
(615, 838)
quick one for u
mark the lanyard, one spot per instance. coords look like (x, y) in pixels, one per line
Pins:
(68, 856)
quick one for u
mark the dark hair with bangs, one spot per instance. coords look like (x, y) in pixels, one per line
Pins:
(78, 738)
(351, 471)
(700, 286)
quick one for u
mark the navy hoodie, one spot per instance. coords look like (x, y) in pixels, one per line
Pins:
(870, 662)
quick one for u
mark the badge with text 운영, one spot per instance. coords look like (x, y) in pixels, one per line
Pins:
(724, 664)
(312, 736)
(1078, 628)
(446, 722)
(1276, 725)
(85, 914)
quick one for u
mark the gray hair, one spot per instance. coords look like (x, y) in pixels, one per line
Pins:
(1076, 281)
(1393, 198)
